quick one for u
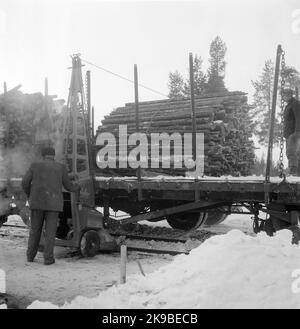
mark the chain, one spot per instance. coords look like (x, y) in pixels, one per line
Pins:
(281, 145)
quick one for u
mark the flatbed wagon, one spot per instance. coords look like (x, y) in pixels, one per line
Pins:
(189, 202)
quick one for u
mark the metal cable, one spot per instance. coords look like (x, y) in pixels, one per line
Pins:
(124, 78)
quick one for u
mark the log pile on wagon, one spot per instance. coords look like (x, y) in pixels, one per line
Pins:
(223, 118)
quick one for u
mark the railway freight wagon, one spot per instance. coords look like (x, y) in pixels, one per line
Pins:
(187, 200)
(223, 118)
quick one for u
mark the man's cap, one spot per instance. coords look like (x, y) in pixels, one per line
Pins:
(48, 151)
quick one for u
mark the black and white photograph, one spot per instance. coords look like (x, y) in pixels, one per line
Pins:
(149, 157)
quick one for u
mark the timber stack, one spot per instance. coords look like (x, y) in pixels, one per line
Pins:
(28, 121)
(223, 118)
(27, 118)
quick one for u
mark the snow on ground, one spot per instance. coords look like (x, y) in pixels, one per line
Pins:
(233, 221)
(69, 276)
(233, 270)
(230, 270)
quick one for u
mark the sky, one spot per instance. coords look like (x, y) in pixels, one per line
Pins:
(38, 37)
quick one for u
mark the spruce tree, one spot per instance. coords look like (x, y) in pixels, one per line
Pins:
(261, 113)
(216, 71)
(199, 79)
(291, 77)
(176, 85)
(262, 103)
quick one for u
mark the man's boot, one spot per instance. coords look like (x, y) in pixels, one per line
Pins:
(49, 262)
(296, 233)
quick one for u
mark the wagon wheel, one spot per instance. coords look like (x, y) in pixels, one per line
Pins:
(89, 243)
(215, 216)
(187, 221)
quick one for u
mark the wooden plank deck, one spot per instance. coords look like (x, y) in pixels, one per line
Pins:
(211, 184)
(184, 188)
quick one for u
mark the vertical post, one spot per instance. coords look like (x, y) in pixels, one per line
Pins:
(88, 101)
(46, 87)
(193, 106)
(123, 264)
(6, 116)
(136, 99)
(88, 121)
(46, 101)
(194, 127)
(273, 111)
(137, 122)
(93, 124)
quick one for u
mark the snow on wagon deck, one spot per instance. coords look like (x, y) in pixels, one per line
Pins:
(217, 184)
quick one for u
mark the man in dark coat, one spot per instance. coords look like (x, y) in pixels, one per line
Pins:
(43, 184)
(291, 132)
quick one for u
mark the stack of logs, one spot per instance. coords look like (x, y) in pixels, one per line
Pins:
(223, 118)
(27, 122)
(26, 117)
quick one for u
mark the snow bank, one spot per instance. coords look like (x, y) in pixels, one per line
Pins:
(2, 289)
(227, 271)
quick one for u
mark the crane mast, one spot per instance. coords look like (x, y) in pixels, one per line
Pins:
(76, 135)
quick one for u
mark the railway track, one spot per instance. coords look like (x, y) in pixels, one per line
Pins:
(151, 243)
(13, 234)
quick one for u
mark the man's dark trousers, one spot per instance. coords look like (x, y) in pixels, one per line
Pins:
(37, 220)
